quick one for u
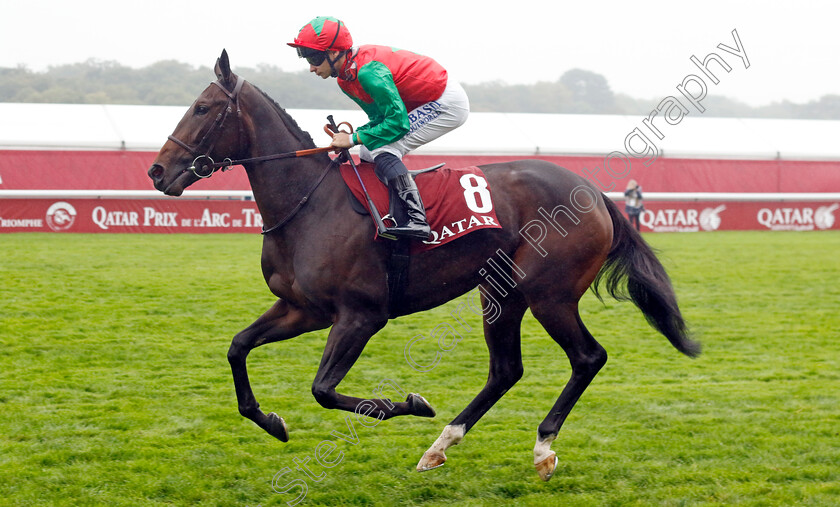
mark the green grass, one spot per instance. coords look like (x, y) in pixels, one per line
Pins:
(115, 388)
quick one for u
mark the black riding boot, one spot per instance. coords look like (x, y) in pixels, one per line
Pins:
(416, 226)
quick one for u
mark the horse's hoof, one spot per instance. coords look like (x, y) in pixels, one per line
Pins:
(276, 427)
(546, 467)
(419, 406)
(431, 460)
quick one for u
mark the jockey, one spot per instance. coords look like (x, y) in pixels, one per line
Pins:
(408, 98)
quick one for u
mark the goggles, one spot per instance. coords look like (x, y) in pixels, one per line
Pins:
(313, 56)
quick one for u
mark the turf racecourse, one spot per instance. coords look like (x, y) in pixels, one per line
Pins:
(115, 389)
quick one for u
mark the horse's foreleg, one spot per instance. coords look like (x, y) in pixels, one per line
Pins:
(503, 342)
(586, 357)
(345, 344)
(282, 321)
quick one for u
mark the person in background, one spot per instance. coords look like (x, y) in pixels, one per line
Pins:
(409, 99)
(633, 204)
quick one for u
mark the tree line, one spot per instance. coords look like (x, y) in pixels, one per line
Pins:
(173, 83)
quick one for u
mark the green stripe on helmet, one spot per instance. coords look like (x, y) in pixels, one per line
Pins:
(319, 22)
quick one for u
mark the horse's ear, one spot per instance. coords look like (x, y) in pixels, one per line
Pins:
(223, 67)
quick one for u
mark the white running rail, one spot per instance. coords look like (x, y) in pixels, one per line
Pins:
(248, 195)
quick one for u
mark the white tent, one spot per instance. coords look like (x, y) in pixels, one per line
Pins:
(145, 128)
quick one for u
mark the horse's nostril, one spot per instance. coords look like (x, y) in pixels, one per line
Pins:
(156, 172)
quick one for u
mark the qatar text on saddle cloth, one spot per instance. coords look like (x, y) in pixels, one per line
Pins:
(457, 201)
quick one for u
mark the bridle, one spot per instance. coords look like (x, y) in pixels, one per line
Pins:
(202, 149)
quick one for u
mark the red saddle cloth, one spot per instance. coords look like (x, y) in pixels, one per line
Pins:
(457, 201)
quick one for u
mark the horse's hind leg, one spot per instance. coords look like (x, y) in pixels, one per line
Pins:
(281, 322)
(503, 342)
(562, 321)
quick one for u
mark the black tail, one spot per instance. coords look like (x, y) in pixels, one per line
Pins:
(648, 285)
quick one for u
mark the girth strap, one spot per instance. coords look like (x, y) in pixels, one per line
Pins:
(397, 275)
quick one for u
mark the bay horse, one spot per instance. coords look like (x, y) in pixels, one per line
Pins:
(320, 260)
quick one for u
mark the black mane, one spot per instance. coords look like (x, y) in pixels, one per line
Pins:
(301, 135)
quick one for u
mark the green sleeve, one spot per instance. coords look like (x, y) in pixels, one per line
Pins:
(387, 114)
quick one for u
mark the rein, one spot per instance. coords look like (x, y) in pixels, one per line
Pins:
(300, 204)
(201, 150)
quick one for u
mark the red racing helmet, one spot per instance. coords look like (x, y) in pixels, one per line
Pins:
(323, 33)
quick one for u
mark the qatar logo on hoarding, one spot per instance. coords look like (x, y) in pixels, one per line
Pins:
(710, 218)
(682, 220)
(60, 216)
(824, 216)
(797, 219)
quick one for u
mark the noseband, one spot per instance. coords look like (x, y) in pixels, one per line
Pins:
(201, 150)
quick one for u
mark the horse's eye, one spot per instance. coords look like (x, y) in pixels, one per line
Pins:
(201, 110)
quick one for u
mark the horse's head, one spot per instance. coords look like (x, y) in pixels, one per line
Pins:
(210, 130)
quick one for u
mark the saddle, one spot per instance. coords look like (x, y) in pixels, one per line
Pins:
(361, 209)
(457, 202)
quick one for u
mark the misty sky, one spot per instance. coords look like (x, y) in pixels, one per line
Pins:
(642, 48)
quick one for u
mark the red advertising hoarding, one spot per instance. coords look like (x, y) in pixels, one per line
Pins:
(72, 170)
(129, 215)
(226, 216)
(738, 216)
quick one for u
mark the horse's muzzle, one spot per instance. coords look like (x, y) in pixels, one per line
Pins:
(156, 173)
